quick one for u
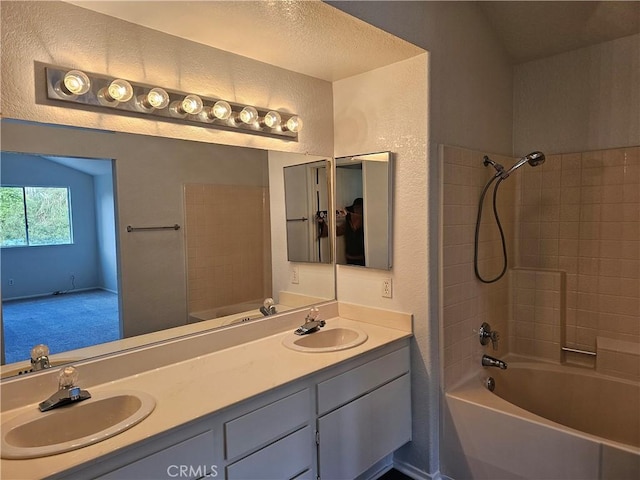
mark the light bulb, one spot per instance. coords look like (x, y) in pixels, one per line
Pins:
(294, 124)
(157, 98)
(272, 119)
(248, 115)
(76, 82)
(221, 110)
(192, 104)
(120, 90)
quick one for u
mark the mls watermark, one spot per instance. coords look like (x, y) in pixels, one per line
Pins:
(192, 471)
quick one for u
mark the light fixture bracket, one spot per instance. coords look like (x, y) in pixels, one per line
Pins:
(92, 101)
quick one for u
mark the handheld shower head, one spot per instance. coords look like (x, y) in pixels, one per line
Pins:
(534, 159)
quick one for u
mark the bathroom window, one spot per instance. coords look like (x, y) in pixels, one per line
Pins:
(35, 216)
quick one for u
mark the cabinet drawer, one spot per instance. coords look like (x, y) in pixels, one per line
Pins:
(284, 459)
(267, 423)
(349, 385)
(189, 459)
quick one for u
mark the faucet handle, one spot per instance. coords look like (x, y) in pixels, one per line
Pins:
(68, 377)
(39, 351)
(40, 357)
(486, 334)
(312, 315)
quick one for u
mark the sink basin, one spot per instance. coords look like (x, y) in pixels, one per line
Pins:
(326, 340)
(36, 434)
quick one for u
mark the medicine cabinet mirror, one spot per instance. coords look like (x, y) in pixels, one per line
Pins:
(306, 189)
(364, 193)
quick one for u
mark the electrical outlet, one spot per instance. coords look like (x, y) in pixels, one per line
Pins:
(295, 274)
(387, 288)
(11, 282)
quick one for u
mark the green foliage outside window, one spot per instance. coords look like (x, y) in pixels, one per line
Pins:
(34, 216)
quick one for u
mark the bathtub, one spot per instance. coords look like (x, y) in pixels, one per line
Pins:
(543, 421)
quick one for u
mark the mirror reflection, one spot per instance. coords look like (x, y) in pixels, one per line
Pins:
(105, 282)
(307, 204)
(363, 210)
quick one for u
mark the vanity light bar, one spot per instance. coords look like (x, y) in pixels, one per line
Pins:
(133, 98)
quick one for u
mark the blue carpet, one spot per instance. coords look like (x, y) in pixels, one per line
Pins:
(62, 322)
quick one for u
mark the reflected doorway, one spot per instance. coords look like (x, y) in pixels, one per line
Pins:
(59, 268)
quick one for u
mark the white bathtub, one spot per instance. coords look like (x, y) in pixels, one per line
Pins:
(543, 421)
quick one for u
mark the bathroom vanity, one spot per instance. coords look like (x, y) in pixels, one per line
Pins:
(257, 409)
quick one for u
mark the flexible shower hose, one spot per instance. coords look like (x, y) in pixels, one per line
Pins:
(479, 218)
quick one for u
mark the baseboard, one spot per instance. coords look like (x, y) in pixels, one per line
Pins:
(378, 469)
(417, 474)
(51, 294)
(115, 292)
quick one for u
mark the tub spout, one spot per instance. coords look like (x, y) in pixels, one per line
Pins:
(488, 361)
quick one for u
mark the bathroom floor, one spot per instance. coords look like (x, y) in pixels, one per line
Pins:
(394, 475)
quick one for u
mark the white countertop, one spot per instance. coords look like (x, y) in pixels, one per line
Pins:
(207, 384)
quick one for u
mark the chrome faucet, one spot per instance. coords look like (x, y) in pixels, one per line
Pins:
(488, 361)
(486, 334)
(40, 358)
(268, 308)
(67, 392)
(311, 323)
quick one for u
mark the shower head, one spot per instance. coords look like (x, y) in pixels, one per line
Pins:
(534, 159)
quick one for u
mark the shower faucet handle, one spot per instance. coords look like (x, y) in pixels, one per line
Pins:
(486, 334)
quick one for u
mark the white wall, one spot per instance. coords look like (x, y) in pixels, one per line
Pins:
(586, 99)
(106, 219)
(371, 116)
(470, 75)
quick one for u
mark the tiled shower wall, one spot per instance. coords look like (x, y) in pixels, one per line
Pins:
(575, 256)
(579, 213)
(228, 245)
(537, 316)
(467, 302)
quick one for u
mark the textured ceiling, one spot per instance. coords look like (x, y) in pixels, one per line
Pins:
(532, 30)
(301, 36)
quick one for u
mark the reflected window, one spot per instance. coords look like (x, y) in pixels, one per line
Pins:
(34, 216)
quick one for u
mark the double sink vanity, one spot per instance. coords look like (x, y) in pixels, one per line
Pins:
(249, 401)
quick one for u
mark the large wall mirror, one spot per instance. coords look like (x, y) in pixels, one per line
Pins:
(364, 193)
(151, 238)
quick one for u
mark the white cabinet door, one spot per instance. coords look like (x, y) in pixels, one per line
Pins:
(357, 435)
